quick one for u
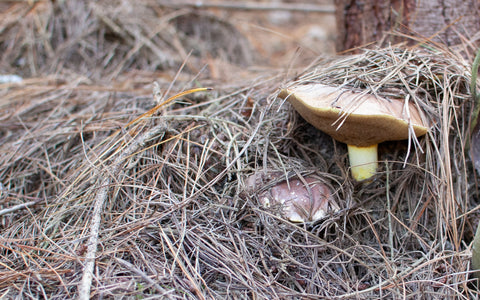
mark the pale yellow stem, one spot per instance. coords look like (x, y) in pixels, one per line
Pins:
(363, 161)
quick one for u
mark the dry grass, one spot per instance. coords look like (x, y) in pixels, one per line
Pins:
(161, 209)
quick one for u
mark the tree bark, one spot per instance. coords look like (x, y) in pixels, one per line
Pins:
(360, 22)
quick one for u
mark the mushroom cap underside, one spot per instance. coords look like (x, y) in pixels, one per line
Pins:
(354, 118)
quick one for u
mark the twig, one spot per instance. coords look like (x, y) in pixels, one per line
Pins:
(17, 207)
(302, 7)
(86, 282)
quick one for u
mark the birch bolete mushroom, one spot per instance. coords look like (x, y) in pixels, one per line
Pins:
(360, 120)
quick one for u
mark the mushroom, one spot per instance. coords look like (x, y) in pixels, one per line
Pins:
(360, 120)
(301, 201)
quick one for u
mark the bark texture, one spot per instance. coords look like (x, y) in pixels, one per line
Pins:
(360, 22)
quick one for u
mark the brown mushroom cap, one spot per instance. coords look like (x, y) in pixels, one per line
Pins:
(354, 118)
(300, 203)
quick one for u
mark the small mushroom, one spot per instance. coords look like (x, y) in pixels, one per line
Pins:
(300, 203)
(360, 120)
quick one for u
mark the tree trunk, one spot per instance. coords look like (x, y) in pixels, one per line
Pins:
(360, 22)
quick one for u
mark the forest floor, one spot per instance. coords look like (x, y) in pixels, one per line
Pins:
(139, 139)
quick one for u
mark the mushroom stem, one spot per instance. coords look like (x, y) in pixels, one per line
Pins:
(363, 161)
